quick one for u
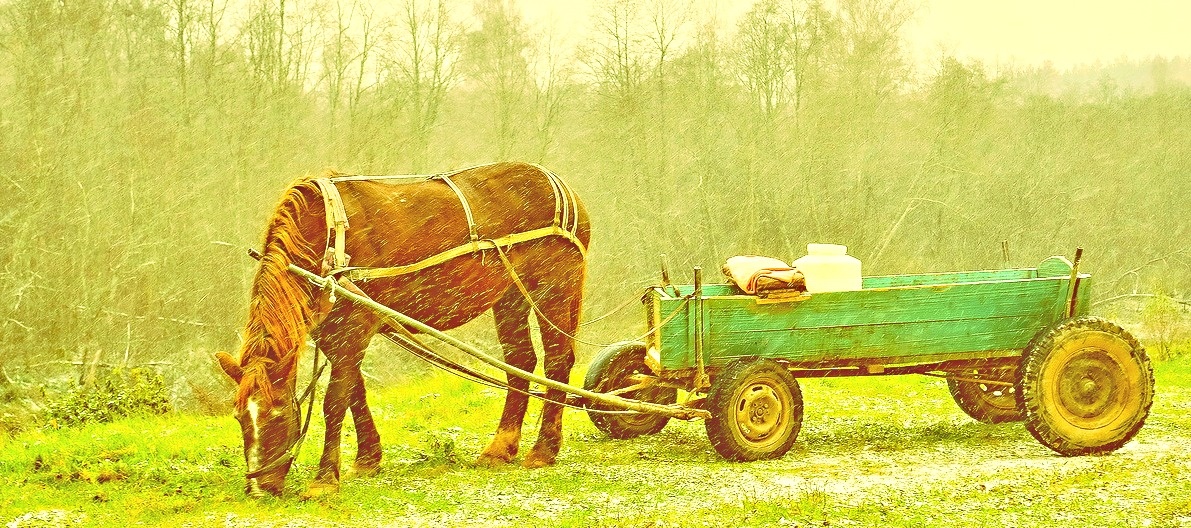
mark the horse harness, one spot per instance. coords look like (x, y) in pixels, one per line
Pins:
(565, 224)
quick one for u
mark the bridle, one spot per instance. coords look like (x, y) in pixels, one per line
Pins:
(295, 447)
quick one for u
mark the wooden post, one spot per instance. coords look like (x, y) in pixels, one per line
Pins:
(1074, 283)
(665, 272)
(701, 380)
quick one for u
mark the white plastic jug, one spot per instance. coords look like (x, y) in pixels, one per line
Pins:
(829, 268)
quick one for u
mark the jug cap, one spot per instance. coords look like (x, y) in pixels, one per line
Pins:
(826, 249)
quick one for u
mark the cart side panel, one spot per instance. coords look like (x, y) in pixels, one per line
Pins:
(857, 345)
(674, 338)
(849, 327)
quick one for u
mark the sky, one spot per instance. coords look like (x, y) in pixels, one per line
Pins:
(997, 32)
(1066, 32)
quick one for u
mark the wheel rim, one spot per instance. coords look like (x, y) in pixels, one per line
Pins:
(998, 396)
(762, 412)
(1001, 397)
(1088, 387)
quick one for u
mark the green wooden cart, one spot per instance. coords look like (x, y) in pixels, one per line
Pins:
(1013, 344)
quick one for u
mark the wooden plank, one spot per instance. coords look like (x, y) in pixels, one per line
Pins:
(926, 279)
(677, 343)
(858, 344)
(869, 341)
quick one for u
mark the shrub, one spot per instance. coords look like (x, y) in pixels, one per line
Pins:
(1166, 324)
(117, 394)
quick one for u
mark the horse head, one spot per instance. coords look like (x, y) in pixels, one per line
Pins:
(269, 420)
(283, 310)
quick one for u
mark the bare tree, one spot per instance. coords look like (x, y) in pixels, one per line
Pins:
(371, 26)
(181, 12)
(764, 60)
(554, 84)
(346, 52)
(279, 46)
(424, 62)
(496, 59)
(870, 33)
(617, 55)
(668, 18)
(779, 47)
(812, 29)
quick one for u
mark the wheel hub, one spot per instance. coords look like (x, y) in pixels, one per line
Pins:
(759, 412)
(1088, 385)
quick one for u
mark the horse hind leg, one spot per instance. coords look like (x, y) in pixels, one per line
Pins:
(511, 313)
(560, 305)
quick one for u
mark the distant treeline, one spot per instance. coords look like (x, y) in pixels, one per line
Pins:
(135, 133)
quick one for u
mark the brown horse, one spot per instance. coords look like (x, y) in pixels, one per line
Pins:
(399, 223)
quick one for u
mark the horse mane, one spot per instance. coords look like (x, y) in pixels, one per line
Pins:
(280, 308)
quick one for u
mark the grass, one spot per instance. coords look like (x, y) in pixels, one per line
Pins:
(873, 451)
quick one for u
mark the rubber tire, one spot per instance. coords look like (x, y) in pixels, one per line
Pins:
(982, 402)
(1112, 409)
(608, 372)
(738, 382)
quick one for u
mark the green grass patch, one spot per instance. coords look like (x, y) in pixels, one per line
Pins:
(873, 451)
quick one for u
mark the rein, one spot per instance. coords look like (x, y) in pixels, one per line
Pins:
(295, 447)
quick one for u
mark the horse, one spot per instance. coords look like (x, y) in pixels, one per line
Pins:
(426, 247)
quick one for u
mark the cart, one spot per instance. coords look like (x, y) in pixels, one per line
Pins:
(1013, 344)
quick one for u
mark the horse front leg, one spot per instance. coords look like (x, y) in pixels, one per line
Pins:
(368, 450)
(344, 336)
(512, 329)
(335, 405)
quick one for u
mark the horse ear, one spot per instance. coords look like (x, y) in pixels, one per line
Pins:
(229, 366)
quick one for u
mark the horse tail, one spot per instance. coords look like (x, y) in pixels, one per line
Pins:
(280, 309)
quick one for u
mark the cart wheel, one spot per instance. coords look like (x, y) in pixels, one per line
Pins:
(610, 370)
(1086, 387)
(986, 402)
(756, 410)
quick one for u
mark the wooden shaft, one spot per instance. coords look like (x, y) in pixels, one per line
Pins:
(394, 317)
(1074, 288)
(701, 380)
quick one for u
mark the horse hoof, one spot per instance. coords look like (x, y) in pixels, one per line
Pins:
(367, 470)
(491, 461)
(319, 489)
(535, 461)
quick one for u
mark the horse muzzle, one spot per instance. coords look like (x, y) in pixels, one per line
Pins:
(258, 489)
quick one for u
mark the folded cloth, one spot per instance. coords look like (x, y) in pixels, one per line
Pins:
(756, 274)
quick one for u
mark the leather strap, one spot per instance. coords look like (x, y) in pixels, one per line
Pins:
(471, 220)
(336, 220)
(434, 260)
